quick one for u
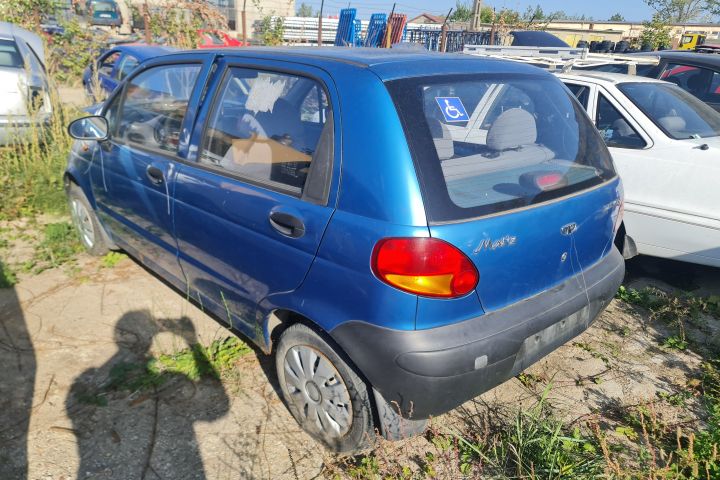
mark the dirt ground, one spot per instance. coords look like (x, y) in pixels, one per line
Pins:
(63, 330)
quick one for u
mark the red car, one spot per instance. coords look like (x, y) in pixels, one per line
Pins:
(217, 39)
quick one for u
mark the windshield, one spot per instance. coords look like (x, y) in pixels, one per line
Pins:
(9, 55)
(490, 143)
(676, 112)
(103, 7)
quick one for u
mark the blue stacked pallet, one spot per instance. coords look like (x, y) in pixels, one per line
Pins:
(376, 30)
(358, 30)
(346, 28)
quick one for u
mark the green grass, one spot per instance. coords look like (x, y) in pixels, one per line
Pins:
(112, 258)
(58, 246)
(7, 277)
(193, 363)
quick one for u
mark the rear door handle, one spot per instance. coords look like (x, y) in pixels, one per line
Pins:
(286, 224)
(155, 175)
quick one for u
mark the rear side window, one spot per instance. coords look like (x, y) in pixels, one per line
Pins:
(581, 92)
(9, 55)
(615, 128)
(485, 144)
(268, 128)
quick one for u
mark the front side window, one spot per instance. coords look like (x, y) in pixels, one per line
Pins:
(676, 112)
(484, 144)
(154, 106)
(107, 64)
(268, 128)
(614, 127)
(129, 63)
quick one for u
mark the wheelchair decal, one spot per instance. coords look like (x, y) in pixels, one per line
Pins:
(452, 109)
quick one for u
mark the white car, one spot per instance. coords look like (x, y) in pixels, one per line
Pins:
(666, 148)
(24, 92)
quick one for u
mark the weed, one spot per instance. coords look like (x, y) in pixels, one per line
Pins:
(674, 342)
(7, 277)
(194, 363)
(112, 258)
(58, 246)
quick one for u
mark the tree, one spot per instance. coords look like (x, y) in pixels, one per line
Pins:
(534, 14)
(680, 11)
(26, 13)
(656, 33)
(463, 11)
(617, 17)
(305, 10)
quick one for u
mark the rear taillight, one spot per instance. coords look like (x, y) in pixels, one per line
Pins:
(424, 266)
(620, 210)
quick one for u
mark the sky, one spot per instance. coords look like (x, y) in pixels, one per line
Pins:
(632, 10)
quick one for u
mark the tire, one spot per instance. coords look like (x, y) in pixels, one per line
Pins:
(86, 223)
(324, 394)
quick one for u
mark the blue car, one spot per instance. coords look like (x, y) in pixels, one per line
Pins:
(102, 77)
(403, 231)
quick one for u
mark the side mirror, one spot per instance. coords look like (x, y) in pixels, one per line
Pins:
(94, 127)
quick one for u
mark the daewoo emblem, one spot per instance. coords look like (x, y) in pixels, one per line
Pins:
(489, 244)
(569, 229)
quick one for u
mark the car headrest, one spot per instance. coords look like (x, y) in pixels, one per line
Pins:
(672, 123)
(512, 129)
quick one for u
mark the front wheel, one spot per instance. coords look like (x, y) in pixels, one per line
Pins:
(327, 398)
(86, 223)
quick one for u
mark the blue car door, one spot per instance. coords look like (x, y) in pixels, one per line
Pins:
(252, 207)
(105, 81)
(134, 171)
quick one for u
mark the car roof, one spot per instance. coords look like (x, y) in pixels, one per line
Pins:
(142, 51)
(388, 64)
(10, 31)
(708, 59)
(607, 77)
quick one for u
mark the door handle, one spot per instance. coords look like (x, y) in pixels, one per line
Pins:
(155, 175)
(286, 224)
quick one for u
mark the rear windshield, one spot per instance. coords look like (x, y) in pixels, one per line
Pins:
(9, 55)
(485, 144)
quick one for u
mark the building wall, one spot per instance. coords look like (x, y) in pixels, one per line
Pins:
(257, 9)
(626, 30)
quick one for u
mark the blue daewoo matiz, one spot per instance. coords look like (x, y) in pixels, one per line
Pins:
(403, 231)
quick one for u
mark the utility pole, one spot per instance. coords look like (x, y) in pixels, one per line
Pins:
(477, 9)
(443, 33)
(244, 24)
(322, 4)
(146, 24)
(387, 41)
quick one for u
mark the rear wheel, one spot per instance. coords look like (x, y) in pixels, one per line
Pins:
(86, 223)
(327, 398)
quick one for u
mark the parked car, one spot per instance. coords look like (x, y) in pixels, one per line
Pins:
(105, 13)
(24, 90)
(443, 264)
(114, 65)
(665, 144)
(217, 39)
(696, 73)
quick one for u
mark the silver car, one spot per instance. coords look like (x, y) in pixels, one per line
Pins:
(24, 92)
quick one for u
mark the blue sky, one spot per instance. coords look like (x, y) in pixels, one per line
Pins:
(632, 10)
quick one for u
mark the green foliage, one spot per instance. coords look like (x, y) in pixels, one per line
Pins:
(193, 363)
(617, 17)
(72, 51)
(177, 22)
(112, 258)
(674, 342)
(534, 445)
(7, 277)
(463, 11)
(681, 11)
(26, 13)
(656, 33)
(273, 29)
(305, 10)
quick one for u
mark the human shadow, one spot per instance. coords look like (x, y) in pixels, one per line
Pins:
(17, 385)
(135, 419)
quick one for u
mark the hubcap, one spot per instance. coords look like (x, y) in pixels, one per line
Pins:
(83, 222)
(317, 391)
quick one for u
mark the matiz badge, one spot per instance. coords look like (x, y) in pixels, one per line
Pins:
(488, 244)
